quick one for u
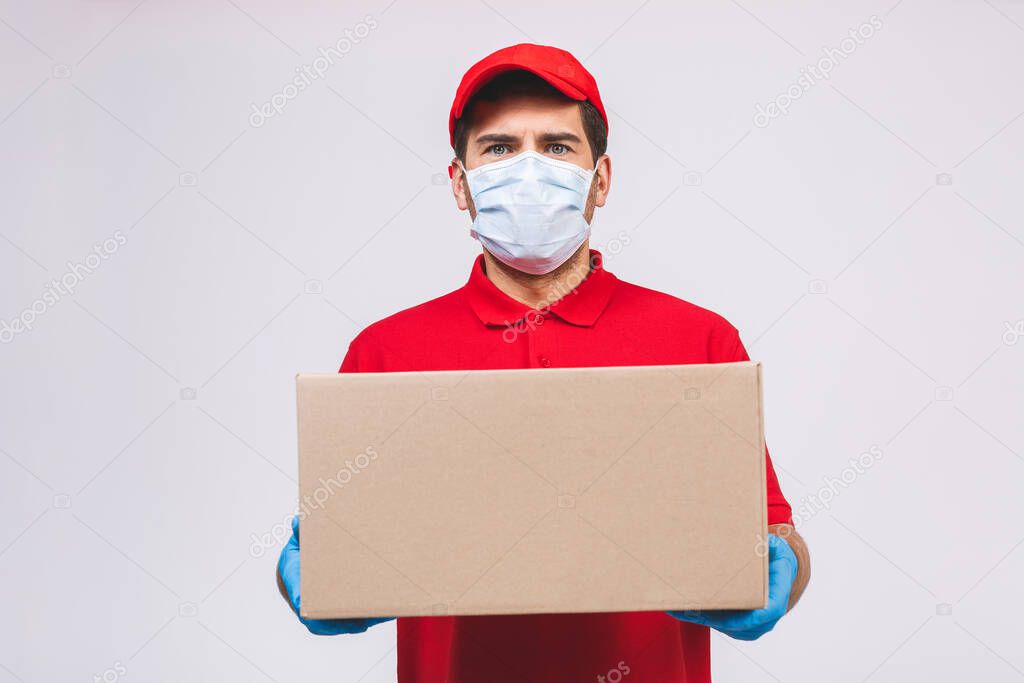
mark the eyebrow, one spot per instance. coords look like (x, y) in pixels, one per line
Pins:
(496, 137)
(505, 138)
(565, 136)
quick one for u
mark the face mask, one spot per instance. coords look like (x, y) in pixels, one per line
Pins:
(529, 210)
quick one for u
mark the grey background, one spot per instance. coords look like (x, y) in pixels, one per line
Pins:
(883, 297)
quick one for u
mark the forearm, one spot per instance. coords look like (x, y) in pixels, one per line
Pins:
(803, 556)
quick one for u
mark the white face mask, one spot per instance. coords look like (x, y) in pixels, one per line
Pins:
(529, 210)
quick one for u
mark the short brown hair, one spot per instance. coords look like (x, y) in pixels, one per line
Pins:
(521, 82)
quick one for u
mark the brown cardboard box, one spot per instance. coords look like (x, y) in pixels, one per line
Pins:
(532, 491)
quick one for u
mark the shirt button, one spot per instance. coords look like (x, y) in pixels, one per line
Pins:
(540, 320)
(544, 361)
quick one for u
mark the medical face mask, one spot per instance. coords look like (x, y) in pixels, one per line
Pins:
(529, 210)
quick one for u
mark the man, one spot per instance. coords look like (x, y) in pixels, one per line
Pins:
(529, 133)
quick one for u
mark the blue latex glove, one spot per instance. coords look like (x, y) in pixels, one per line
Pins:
(288, 567)
(752, 624)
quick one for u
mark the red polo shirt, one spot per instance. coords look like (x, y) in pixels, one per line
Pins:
(603, 321)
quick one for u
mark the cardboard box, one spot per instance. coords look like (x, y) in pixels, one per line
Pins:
(532, 491)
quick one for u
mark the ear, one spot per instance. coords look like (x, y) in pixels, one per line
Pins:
(602, 180)
(460, 188)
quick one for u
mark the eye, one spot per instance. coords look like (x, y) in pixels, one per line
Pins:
(498, 150)
(558, 149)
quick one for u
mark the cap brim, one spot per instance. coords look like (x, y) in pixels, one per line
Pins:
(485, 76)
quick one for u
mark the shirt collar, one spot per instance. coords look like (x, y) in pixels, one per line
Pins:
(581, 306)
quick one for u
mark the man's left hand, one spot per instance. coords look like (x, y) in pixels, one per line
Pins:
(752, 624)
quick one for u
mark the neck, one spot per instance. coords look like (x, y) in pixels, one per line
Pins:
(539, 291)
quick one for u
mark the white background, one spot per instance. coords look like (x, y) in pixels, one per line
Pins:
(881, 295)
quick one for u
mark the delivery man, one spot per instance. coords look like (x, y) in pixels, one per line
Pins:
(529, 133)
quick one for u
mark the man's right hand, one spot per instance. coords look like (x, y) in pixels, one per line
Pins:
(288, 581)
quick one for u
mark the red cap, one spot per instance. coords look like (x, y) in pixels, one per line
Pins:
(557, 67)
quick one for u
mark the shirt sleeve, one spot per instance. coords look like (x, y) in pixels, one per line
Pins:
(727, 348)
(363, 353)
(351, 361)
